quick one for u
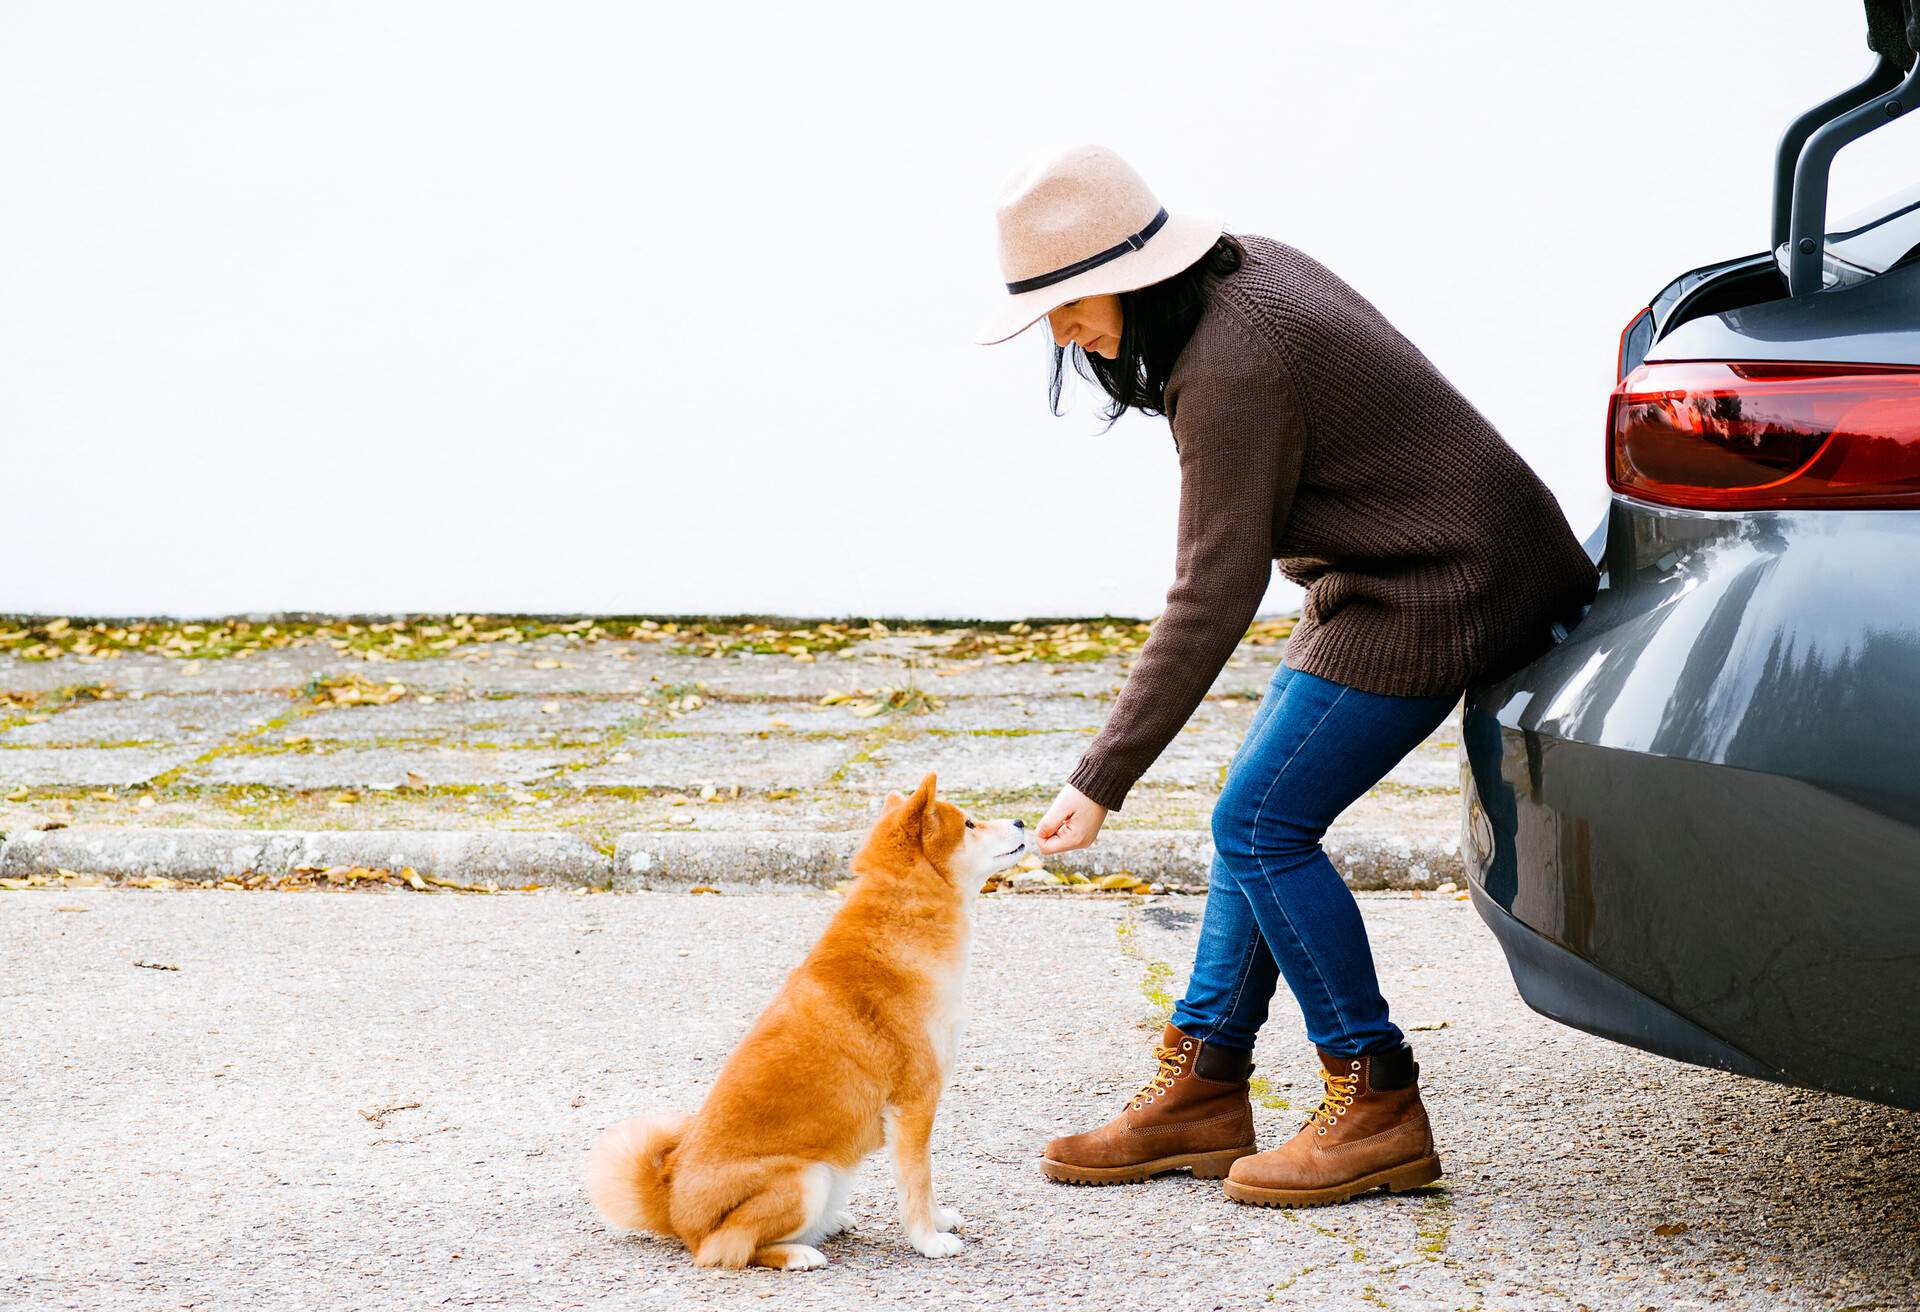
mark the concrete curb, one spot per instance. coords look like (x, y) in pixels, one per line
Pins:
(1177, 857)
(468, 856)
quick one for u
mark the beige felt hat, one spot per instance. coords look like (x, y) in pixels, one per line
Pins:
(1083, 223)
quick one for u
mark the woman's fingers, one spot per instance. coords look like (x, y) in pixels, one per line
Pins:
(1054, 824)
(1062, 839)
(1070, 823)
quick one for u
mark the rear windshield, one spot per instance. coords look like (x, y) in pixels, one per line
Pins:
(1869, 241)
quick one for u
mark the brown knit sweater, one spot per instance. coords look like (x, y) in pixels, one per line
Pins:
(1311, 432)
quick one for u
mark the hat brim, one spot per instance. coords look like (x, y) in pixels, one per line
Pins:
(1183, 239)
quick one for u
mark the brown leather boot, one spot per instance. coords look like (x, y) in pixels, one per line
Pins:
(1369, 1131)
(1192, 1115)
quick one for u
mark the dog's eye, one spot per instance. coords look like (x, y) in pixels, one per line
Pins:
(969, 824)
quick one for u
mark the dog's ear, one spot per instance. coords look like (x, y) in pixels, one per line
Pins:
(893, 800)
(923, 795)
(912, 813)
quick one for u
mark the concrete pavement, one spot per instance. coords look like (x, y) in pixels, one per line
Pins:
(380, 1100)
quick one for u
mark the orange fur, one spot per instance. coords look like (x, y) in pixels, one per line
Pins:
(853, 1051)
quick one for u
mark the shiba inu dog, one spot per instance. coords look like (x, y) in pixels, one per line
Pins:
(853, 1052)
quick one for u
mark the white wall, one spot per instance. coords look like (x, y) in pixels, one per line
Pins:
(623, 307)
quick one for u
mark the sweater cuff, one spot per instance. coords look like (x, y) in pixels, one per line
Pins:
(1100, 782)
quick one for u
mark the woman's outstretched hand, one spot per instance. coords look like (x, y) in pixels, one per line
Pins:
(1072, 822)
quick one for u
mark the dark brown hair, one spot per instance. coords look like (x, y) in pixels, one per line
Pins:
(1155, 323)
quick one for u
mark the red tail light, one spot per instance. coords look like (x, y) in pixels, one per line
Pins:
(1724, 436)
(1635, 338)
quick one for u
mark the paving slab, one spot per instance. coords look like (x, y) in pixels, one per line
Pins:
(770, 716)
(88, 767)
(965, 761)
(602, 668)
(723, 762)
(283, 670)
(958, 715)
(187, 718)
(378, 1101)
(623, 667)
(991, 762)
(382, 767)
(1027, 679)
(508, 719)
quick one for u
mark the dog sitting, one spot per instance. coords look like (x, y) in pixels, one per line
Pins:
(853, 1052)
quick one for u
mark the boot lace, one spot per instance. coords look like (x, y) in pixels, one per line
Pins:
(1172, 1065)
(1340, 1090)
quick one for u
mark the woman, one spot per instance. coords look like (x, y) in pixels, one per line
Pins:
(1310, 432)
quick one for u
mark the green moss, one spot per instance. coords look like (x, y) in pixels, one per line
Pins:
(1262, 1090)
(1434, 1224)
(1295, 1278)
(243, 745)
(1411, 790)
(1155, 975)
(1153, 986)
(616, 792)
(861, 757)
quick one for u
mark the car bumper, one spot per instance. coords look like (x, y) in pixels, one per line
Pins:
(1694, 825)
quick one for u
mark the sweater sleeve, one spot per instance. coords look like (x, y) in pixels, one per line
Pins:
(1237, 426)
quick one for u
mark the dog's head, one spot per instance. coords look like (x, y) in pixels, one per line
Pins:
(962, 849)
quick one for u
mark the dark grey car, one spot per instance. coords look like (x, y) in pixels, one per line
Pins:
(1694, 824)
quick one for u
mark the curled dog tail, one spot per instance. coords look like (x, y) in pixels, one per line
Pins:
(627, 1174)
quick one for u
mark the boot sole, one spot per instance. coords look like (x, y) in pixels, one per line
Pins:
(1204, 1166)
(1395, 1179)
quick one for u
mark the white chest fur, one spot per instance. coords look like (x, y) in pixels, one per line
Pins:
(948, 1015)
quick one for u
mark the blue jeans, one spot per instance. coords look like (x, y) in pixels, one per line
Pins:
(1275, 905)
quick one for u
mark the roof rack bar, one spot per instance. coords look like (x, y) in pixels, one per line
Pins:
(1806, 225)
(1885, 76)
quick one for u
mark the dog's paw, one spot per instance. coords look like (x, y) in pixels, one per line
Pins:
(783, 1257)
(938, 1245)
(836, 1223)
(946, 1219)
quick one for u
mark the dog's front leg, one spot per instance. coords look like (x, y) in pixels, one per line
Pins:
(910, 1129)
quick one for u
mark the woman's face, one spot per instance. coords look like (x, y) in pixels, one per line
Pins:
(1091, 323)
